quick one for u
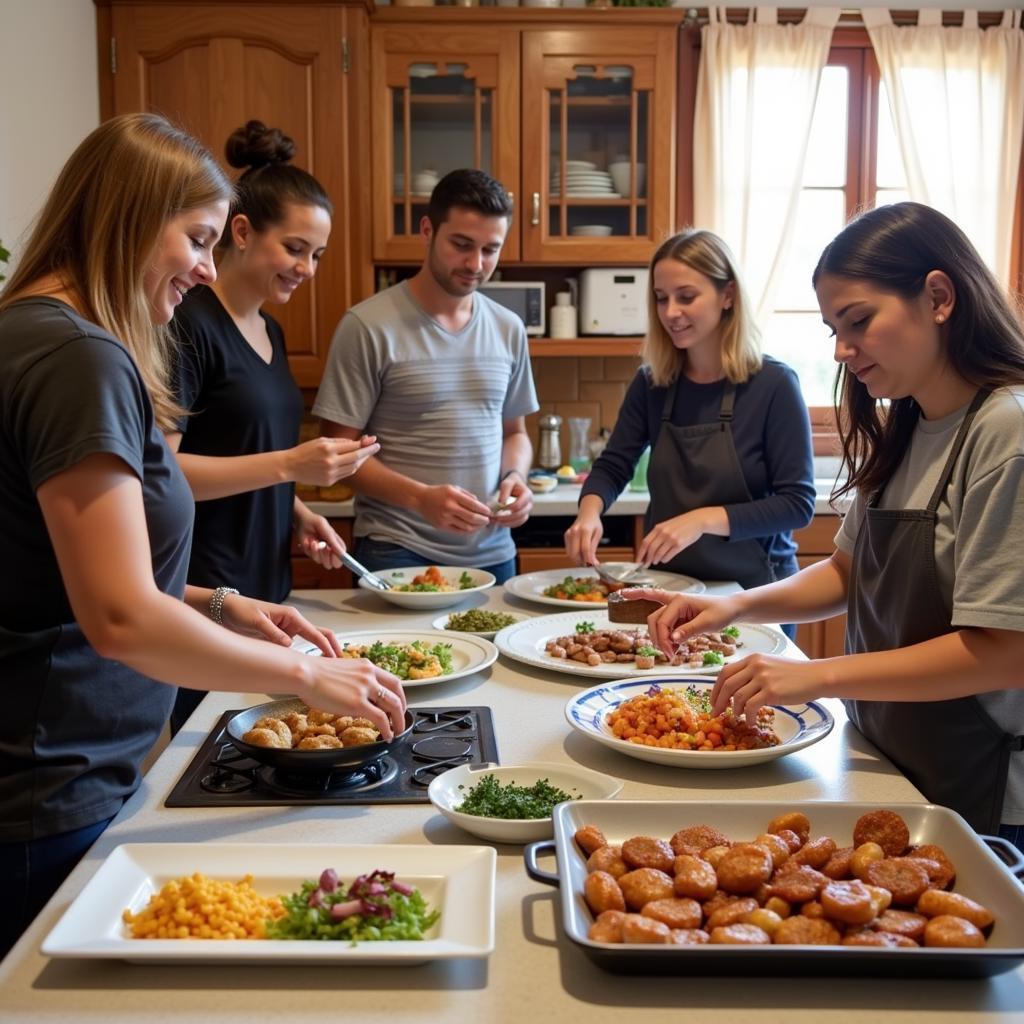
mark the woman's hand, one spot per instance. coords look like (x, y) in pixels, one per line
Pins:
(761, 679)
(582, 538)
(276, 623)
(357, 687)
(668, 538)
(682, 615)
(326, 460)
(318, 539)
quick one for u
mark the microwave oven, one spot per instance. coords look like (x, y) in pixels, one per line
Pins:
(524, 298)
(613, 300)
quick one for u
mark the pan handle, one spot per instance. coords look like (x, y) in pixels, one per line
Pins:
(533, 869)
(1011, 857)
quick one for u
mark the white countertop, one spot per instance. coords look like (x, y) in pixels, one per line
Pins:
(562, 501)
(535, 973)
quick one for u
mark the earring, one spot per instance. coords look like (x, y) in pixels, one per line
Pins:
(940, 319)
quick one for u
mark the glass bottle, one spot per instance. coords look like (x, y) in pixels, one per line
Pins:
(579, 443)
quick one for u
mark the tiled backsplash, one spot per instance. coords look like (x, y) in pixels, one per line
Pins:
(590, 386)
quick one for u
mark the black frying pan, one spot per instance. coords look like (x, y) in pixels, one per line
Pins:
(312, 761)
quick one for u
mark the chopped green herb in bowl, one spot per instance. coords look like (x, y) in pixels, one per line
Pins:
(489, 798)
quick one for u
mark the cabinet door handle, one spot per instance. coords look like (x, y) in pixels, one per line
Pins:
(535, 219)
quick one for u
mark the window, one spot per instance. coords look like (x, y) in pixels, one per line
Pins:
(853, 161)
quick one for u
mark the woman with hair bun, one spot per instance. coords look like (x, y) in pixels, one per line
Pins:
(97, 624)
(730, 473)
(238, 447)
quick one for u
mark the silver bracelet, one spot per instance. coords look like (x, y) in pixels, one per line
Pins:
(217, 603)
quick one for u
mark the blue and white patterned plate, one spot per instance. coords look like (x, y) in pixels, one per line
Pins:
(797, 726)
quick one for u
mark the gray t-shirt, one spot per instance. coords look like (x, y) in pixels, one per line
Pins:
(75, 726)
(436, 402)
(979, 524)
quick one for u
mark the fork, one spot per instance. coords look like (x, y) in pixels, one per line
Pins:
(631, 576)
(360, 570)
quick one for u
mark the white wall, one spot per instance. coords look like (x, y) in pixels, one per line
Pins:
(49, 100)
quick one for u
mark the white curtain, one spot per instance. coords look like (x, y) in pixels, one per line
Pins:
(756, 90)
(957, 101)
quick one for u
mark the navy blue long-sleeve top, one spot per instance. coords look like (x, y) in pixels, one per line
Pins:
(772, 433)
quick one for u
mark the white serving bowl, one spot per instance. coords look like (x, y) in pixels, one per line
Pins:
(449, 790)
(424, 600)
(620, 176)
(541, 483)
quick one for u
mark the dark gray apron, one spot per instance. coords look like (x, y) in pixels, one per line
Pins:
(697, 467)
(951, 750)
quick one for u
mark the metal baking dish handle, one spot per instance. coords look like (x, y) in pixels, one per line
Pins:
(1011, 857)
(533, 869)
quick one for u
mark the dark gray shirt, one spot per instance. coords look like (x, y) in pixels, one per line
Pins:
(75, 726)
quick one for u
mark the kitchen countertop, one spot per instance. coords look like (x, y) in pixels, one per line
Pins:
(562, 501)
(534, 973)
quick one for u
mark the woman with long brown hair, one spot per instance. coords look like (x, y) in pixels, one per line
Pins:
(930, 395)
(730, 473)
(97, 625)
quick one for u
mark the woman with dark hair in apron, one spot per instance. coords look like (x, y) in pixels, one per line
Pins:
(930, 392)
(730, 472)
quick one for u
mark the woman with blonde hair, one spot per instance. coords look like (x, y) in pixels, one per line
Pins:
(730, 473)
(97, 625)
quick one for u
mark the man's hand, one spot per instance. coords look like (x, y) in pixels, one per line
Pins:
(453, 508)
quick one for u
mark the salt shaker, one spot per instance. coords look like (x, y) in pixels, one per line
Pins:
(549, 455)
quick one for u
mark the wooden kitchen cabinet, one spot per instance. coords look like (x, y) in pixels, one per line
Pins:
(824, 639)
(307, 575)
(539, 559)
(548, 104)
(300, 67)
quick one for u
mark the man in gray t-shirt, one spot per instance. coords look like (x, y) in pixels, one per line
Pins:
(441, 375)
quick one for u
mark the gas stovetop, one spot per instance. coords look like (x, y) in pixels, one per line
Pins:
(221, 776)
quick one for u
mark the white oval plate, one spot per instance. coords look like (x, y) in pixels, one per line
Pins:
(531, 585)
(441, 622)
(526, 642)
(426, 600)
(448, 790)
(469, 653)
(797, 726)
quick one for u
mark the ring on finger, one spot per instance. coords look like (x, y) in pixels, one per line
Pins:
(379, 695)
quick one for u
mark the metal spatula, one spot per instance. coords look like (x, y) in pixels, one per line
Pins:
(633, 577)
(360, 570)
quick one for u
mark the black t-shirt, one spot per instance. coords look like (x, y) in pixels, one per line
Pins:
(75, 727)
(241, 406)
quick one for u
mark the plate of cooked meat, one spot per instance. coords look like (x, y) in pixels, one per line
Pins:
(577, 587)
(590, 645)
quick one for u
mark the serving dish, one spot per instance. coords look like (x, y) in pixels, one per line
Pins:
(457, 880)
(469, 653)
(449, 790)
(425, 600)
(797, 726)
(306, 761)
(441, 622)
(531, 585)
(981, 875)
(526, 642)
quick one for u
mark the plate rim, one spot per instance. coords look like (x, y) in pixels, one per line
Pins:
(816, 732)
(443, 861)
(427, 633)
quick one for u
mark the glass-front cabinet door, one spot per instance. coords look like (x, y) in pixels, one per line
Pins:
(598, 164)
(442, 100)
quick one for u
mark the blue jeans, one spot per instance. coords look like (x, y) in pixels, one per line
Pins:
(33, 871)
(783, 568)
(380, 554)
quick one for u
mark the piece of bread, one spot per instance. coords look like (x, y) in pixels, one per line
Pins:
(622, 610)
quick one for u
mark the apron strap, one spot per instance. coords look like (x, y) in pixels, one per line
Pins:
(670, 401)
(728, 400)
(954, 453)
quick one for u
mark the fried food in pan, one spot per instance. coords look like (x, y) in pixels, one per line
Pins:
(640, 929)
(935, 902)
(675, 912)
(590, 839)
(648, 852)
(901, 922)
(644, 885)
(886, 828)
(694, 877)
(947, 875)
(946, 930)
(744, 868)
(608, 858)
(703, 837)
(602, 892)
(740, 935)
(903, 877)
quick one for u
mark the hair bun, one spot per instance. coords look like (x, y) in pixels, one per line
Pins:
(256, 145)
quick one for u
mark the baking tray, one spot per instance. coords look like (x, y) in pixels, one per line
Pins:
(981, 875)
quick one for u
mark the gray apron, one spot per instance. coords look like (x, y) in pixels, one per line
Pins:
(951, 750)
(697, 467)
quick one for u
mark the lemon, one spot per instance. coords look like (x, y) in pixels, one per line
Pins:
(566, 471)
